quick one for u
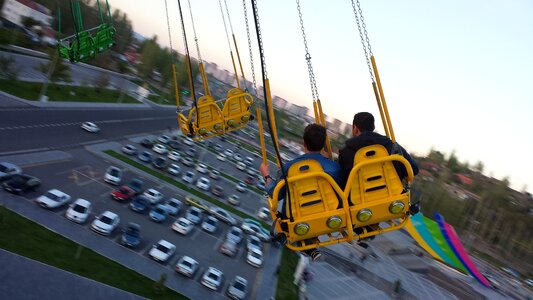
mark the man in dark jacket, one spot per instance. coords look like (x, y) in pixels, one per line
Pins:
(364, 135)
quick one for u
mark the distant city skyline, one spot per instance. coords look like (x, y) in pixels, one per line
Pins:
(455, 74)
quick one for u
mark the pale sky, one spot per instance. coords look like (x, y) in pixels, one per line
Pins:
(457, 75)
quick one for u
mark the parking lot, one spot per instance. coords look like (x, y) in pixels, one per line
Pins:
(83, 178)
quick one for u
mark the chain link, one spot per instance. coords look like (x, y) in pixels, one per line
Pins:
(229, 17)
(364, 28)
(312, 80)
(250, 47)
(363, 40)
(194, 31)
(169, 35)
(260, 39)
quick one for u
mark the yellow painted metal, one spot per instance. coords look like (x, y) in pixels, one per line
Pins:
(236, 109)
(189, 75)
(315, 110)
(238, 58)
(235, 70)
(323, 123)
(205, 83)
(274, 133)
(383, 119)
(261, 136)
(382, 97)
(176, 92)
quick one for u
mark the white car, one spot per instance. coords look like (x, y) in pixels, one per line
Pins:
(174, 155)
(249, 161)
(223, 215)
(188, 177)
(237, 157)
(113, 175)
(162, 251)
(129, 149)
(221, 157)
(188, 141)
(210, 224)
(194, 214)
(212, 278)
(263, 213)
(163, 139)
(183, 226)
(241, 166)
(187, 266)
(214, 174)
(251, 226)
(187, 161)
(105, 223)
(255, 257)
(173, 206)
(174, 169)
(53, 199)
(203, 184)
(234, 199)
(254, 242)
(201, 168)
(241, 187)
(7, 169)
(79, 211)
(90, 127)
(158, 148)
(154, 196)
(228, 153)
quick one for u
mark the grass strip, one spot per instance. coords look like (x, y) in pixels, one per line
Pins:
(64, 93)
(286, 289)
(32, 240)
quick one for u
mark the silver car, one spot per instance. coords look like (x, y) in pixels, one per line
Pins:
(238, 288)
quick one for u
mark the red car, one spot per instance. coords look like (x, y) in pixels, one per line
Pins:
(123, 194)
(249, 180)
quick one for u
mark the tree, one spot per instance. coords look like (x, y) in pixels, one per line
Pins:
(7, 68)
(479, 166)
(436, 156)
(453, 163)
(101, 82)
(149, 52)
(55, 70)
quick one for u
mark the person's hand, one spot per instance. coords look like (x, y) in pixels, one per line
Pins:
(264, 169)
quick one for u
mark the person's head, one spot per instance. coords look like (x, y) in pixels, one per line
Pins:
(363, 121)
(314, 137)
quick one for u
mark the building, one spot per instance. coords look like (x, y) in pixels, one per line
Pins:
(298, 110)
(16, 10)
(279, 102)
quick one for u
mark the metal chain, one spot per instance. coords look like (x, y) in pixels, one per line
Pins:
(260, 39)
(169, 35)
(250, 48)
(194, 31)
(364, 27)
(363, 40)
(312, 81)
(225, 27)
(229, 17)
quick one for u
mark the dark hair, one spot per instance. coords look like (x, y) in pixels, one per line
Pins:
(364, 121)
(314, 137)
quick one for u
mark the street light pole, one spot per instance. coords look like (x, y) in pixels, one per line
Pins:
(53, 62)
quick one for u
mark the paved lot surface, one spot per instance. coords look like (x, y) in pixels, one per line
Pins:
(35, 280)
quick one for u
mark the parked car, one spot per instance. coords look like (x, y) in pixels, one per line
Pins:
(105, 223)
(229, 248)
(191, 152)
(237, 157)
(90, 127)
(187, 161)
(201, 168)
(53, 199)
(234, 200)
(160, 149)
(79, 211)
(261, 184)
(252, 172)
(187, 266)
(136, 185)
(241, 187)
(153, 195)
(164, 139)
(214, 174)
(235, 234)
(147, 143)
(129, 150)
(212, 278)
(218, 147)
(255, 257)
(140, 204)
(253, 227)
(174, 169)
(20, 183)
(174, 144)
(7, 169)
(159, 163)
(228, 153)
(249, 161)
(203, 184)
(263, 213)
(158, 213)
(218, 191)
(210, 224)
(240, 166)
(193, 201)
(194, 215)
(174, 155)
(221, 157)
(188, 177)
(238, 288)
(183, 226)
(254, 242)
(113, 175)
(188, 141)
(123, 194)
(162, 251)
(222, 215)
(145, 156)
(131, 236)
(173, 206)
(249, 180)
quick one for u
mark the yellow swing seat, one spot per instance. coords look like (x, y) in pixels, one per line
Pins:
(204, 123)
(376, 193)
(236, 109)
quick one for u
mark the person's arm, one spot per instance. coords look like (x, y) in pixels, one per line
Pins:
(411, 161)
(270, 183)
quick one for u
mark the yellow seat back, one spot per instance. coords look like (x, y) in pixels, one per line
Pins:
(207, 119)
(236, 110)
